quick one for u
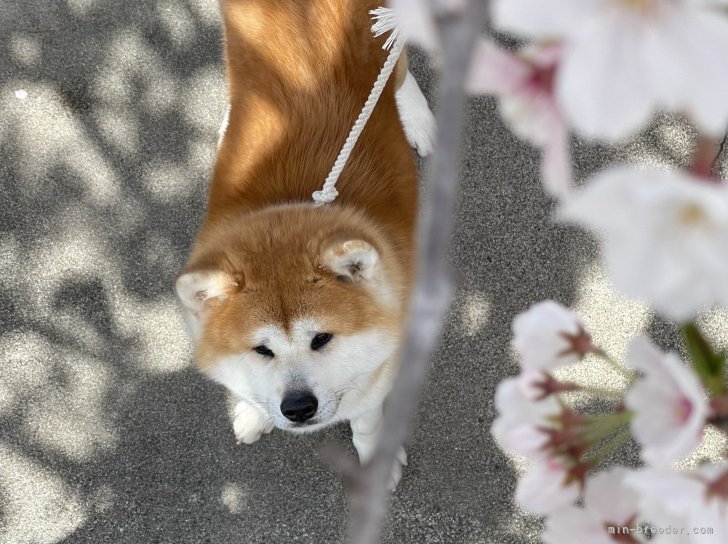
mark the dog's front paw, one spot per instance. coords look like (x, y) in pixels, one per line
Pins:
(420, 131)
(396, 475)
(249, 423)
(417, 119)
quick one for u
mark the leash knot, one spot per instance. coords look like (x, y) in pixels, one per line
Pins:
(325, 196)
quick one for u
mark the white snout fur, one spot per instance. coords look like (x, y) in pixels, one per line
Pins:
(338, 375)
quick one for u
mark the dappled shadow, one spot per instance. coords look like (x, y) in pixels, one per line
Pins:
(106, 432)
(177, 475)
(104, 436)
(87, 300)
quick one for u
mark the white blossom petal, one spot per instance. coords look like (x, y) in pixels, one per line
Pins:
(540, 336)
(704, 98)
(544, 489)
(665, 236)
(528, 384)
(540, 18)
(671, 498)
(608, 502)
(669, 404)
(609, 498)
(573, 525)
(602, 87)
(524, 84)
(515, 429)
(556, 173)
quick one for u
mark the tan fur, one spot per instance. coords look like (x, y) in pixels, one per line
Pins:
(299, 73)
(273, 256)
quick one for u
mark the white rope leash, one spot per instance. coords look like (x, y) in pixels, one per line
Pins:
(384, 22)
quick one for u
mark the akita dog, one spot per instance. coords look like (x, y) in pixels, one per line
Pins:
(299, 310)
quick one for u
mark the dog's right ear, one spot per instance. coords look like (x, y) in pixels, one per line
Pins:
(200, 289)
(352, 260)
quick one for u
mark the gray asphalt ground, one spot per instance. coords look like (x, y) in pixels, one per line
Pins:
(107, 433)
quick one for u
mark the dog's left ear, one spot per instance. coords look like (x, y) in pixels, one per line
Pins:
(353, 260)
(201, 288)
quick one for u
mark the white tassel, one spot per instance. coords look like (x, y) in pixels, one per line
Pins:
(385, 20)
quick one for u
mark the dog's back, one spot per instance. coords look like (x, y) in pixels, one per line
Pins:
(299, 72)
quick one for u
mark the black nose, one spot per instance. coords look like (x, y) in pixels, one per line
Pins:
(299, 406)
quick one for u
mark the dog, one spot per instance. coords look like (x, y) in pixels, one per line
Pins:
(298, 310)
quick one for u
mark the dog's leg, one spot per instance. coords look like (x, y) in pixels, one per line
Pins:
(365, 434)
(249, 423)
(417, 119)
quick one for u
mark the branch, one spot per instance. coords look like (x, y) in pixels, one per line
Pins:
(433, 289)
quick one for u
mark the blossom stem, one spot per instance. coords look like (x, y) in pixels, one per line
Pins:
(614, 442)
(610, 394)
(601, 426)
(707, 364)
(618, 367)
(719, 407)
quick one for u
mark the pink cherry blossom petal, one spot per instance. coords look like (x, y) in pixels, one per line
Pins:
(495, 71)
(669, 404)
(524, 84)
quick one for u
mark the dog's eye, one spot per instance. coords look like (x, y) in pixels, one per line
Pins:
(320, 340)
(263, 351)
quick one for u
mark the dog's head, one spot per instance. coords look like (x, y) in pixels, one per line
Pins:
(295, 309)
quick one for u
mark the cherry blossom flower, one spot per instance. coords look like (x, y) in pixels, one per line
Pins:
(549, 335)
(518, 427)
(537, 385)
(625, 59)
(547, 487)
(695, 500)
(665, 236)
(548, 433)
(608, 502)
(524, 85)
(669, 404)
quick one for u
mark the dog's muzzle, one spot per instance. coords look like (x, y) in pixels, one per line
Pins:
(299, 406)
